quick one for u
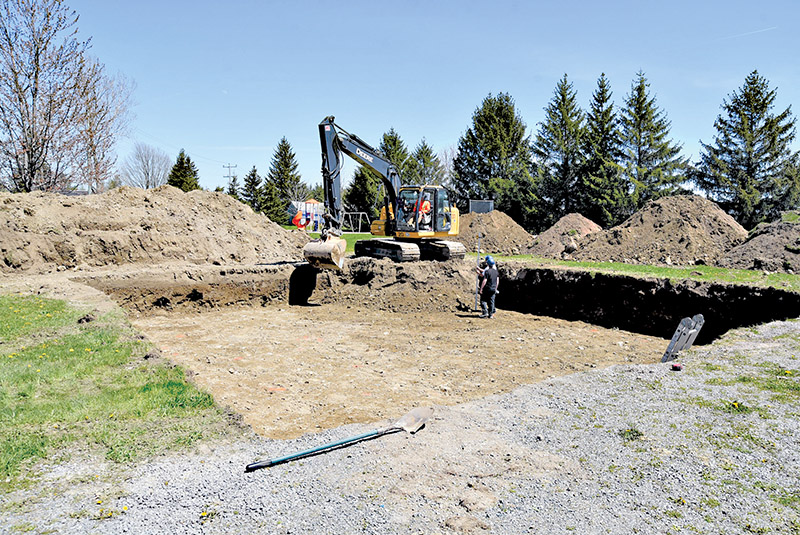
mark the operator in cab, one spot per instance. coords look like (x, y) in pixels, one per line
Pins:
(424, 218)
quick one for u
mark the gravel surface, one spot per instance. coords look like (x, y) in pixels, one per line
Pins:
(628, 449)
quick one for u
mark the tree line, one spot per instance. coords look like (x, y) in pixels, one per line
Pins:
(608, 162)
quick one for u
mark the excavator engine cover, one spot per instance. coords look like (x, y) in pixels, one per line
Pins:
(327, 253)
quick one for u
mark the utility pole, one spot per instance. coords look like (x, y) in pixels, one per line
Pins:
(229, 176)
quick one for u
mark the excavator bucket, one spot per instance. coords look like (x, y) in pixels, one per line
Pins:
(327, 253)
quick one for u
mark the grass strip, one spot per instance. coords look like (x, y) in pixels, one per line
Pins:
(64, 383)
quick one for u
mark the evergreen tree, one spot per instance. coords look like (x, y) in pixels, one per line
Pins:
(252, 193)
(653, 165)
(494, 160)
(603, 197)
(274, 207)
(750, 170)
(558, 150)
(393, 149)
(424, 166)
(234, 189)
(317, 193)
(284, 176)
(364, 193)
(184, 174)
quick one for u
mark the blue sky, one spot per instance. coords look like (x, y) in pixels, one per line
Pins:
(226, 80)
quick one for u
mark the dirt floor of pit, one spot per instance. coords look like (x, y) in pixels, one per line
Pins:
(290, 370)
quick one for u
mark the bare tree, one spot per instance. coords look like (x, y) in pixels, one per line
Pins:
(59, 112)
(447, 157)
(102, 121)
(299, 192)
(146, 167)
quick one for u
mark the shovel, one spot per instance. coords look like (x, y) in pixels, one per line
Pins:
(411, 422)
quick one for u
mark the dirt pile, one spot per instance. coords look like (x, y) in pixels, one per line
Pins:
(771, 247)
(45, 231)
(679, 230)
(499, 234)
(562, 238)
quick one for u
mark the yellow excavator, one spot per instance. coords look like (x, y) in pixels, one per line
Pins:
(415, 221)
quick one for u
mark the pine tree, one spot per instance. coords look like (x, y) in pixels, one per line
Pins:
(184, 174)
(558, 150)
(274, 207)
(393, 149)
(603, 197)
(317, 193)
(363, 195)
(751, 170)
(494, 160)
(284, 177)
(653, 165)
(234, 189)
(424, 166)
(252, 194)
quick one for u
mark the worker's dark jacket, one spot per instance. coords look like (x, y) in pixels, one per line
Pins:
(491, 275)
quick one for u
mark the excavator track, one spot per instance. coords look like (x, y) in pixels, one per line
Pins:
(442, 250)
(398, 251)
(406, 251)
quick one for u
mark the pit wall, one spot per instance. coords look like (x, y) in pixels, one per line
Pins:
(643, 305)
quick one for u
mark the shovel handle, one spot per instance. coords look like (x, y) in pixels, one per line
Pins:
(272, 462)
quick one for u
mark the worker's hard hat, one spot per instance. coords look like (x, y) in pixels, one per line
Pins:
(489, 260)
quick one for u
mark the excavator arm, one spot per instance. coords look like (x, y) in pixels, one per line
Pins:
(328, 251)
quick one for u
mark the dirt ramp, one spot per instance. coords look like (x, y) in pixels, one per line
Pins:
(400, 287)
(45, 231)
(679, 230)
(771, 247)
(499, 234)
(562, 238)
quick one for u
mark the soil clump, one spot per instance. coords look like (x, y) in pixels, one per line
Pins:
(499, 234)
(770, 247)
(562, 238)
(47, 231)
(679, 230)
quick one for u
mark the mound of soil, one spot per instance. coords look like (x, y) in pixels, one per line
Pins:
(45, 231)
(680, 230)
(499, 234)
(771, 247)
(562, 238)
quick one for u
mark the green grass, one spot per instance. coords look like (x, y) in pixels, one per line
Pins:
(350, 237)
(791, 217)
(782, 382)
(21, 316)
(65, 384)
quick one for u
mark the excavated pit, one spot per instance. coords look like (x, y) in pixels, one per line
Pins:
(293, 349)
(647, 306)
(643, 305)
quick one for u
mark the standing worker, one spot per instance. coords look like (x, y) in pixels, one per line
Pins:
(491, 279)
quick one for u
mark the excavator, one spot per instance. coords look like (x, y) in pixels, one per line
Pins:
(415, 221)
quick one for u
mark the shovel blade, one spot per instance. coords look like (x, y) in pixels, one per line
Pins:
(414, 420)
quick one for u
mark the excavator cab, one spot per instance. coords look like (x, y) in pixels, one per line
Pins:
(423, 210)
